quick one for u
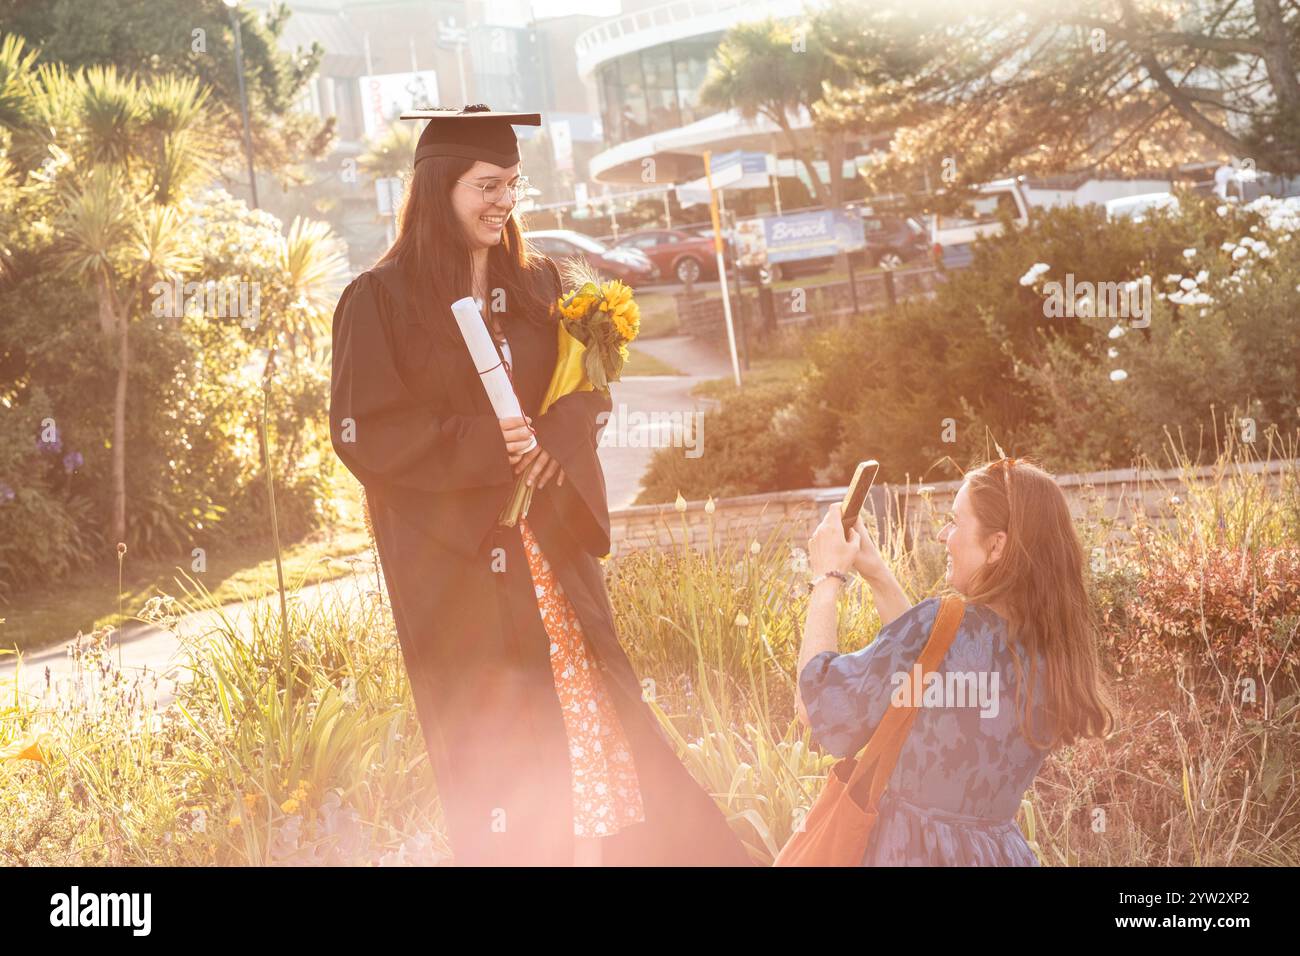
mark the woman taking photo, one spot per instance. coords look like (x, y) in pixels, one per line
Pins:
(543, 750)
(1027, 635)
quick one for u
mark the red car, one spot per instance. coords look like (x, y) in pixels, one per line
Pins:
(675, 254)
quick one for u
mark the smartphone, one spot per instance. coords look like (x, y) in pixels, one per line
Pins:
(863, 477)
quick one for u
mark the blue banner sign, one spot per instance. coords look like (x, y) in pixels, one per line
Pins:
(812, 235)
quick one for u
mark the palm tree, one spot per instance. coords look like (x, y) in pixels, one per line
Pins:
(312, 271)
(770, 68)
(122, 154)
(390, 154)
(115, 157)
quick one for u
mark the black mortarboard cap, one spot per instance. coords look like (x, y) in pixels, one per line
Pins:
(473, 132)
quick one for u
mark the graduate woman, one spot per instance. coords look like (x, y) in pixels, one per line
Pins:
(543, 750)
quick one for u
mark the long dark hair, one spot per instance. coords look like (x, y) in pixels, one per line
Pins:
(1039, 580)
(434, 256)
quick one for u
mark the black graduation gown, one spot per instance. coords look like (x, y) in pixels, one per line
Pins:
(410, 419)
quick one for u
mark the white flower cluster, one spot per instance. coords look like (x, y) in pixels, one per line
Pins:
(1281, 216)
(1189, 291)
(1245, 246)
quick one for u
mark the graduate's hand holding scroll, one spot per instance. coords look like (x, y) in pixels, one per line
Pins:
(538, 464)
(518, 435)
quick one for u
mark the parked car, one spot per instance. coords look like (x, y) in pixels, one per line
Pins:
(628, 265)
(893, 241)
(675, 254)
(952, 235)
(697, 229)
(779, 271)
(705, 229)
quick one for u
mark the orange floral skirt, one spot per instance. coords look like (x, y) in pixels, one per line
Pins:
(606, 792)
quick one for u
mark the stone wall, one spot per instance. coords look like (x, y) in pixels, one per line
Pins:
(793, 515)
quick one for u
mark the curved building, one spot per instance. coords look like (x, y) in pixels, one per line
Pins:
(648, 66)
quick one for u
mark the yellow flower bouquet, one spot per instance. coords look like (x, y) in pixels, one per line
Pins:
(597, 321)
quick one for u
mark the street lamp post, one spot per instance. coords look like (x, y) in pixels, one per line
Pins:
(232, 5)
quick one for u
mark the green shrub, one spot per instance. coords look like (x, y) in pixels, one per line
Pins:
(941, 383)
(745, 446)
(194, 474)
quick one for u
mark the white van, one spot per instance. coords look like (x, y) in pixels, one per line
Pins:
(1137, 207)
(951, 236)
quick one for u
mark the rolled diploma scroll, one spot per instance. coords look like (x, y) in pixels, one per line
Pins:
(487, 362)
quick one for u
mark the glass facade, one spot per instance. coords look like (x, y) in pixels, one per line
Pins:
(655, 89)
(509, 69)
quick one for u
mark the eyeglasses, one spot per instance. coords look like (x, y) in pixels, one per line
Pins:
(493, 194)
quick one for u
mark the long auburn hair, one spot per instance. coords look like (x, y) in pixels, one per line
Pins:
(1039, 581)
(432, 253)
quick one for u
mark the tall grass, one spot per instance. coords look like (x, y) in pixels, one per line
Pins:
(239, 770)
(716, 634)
(1204, 765)
(236, 770)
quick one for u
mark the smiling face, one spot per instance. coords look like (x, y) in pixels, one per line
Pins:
(484, 222)
(969, 545)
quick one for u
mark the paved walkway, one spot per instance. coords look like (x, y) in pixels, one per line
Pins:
(624, 466)
(147, 650)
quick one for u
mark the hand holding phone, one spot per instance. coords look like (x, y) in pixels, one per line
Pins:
(863, 478)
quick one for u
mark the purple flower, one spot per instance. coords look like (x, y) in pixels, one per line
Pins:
(72, 461)
(6, 493)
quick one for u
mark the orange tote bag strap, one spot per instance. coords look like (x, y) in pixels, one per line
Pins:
(880, 763)
(838, 827)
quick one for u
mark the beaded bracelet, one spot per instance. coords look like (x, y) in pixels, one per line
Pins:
(822, 577)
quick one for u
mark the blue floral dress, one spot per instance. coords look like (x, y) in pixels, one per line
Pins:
(960, 777)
